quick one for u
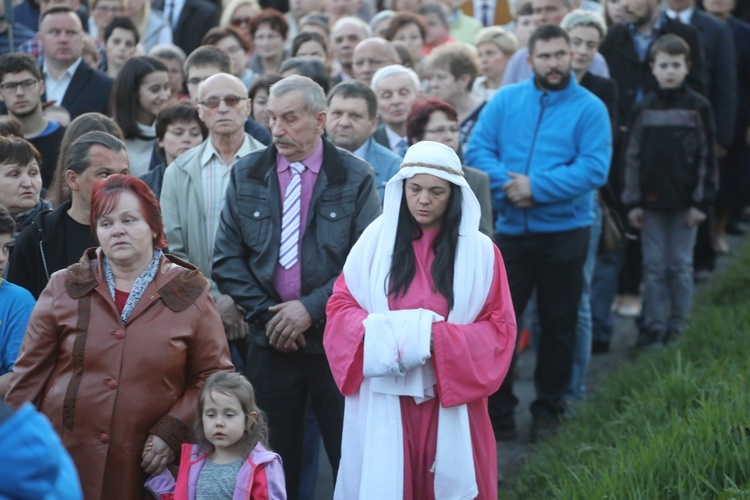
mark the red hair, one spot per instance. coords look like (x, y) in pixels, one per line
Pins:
(107, 193)
(420, 114)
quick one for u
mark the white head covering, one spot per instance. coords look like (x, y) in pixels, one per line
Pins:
(432, 158)
(373, 468)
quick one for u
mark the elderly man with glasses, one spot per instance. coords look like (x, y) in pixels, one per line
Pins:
(194, 184)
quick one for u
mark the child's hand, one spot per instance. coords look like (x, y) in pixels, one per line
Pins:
(694, 217)
(635, 218)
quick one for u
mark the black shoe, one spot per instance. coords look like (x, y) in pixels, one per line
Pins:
(543, 427)
(599, 347)
(648, 339)
(505, 429)
(734, 229)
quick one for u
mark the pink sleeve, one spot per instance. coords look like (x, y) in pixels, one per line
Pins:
(472, 360)
(343, 337)
(268, 482)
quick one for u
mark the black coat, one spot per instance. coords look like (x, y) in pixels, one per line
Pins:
(721, 72)
(196, 18)
(630, 73)
(606, 90)
(89, 91)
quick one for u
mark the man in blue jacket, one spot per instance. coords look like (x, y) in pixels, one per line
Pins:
(546, 145)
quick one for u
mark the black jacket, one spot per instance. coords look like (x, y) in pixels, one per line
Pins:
(630, 73)
(670, 161)
(344, 202)
(155, 178)
(196, 19)
(39, 251)
(721, 72)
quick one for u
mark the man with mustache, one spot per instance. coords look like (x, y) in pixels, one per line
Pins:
(293, 211)
(546, 145)
(194, 185)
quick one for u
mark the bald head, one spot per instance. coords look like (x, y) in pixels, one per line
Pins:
(223, 105)
(223, 81)
(370, 55)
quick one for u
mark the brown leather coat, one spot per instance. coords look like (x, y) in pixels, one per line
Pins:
(106, 386)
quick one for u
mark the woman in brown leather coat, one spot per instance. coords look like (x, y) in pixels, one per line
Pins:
(119, 345)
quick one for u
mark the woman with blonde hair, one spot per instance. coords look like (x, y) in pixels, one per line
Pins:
(238, 14)
(152, 27)
(494, 46)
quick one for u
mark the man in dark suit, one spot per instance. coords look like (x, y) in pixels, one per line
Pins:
(68, 79)
(190, 20)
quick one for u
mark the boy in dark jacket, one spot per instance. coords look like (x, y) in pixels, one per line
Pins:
(670, 171)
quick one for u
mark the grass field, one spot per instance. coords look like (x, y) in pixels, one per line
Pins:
(674, 424)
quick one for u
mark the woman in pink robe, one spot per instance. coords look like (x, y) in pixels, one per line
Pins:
(428, 197)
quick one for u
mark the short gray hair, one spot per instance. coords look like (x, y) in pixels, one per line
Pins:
(381, 16)
(312, 93)
(578, 17)
(394, 69)
(169, 52)
(354, 20)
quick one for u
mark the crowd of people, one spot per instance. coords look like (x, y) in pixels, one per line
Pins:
(232, 231)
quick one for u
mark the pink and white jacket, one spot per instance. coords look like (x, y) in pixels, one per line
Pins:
(261, 477)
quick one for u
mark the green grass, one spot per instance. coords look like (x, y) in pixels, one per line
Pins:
(674, 424)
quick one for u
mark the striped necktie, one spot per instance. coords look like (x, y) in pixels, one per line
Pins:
(290, 218)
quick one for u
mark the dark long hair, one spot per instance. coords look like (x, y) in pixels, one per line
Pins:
(124, 96)
(403, 266)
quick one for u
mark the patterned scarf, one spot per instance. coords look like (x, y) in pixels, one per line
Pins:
(139, 287)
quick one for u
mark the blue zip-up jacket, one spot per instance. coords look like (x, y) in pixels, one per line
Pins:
(562, 140)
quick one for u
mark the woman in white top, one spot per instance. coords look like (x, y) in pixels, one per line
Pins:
(494, 46)
(140, 90)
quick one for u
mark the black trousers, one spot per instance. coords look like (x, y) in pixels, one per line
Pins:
(282, 382)
(553, 264)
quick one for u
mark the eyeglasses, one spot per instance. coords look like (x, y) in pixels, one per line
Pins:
(230, 100)
(11, 87)
(442, 130)
(240, 21)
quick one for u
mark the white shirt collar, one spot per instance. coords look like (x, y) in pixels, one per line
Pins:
(393, 137)
(210, 151)
(68, 72)
(685, 15)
